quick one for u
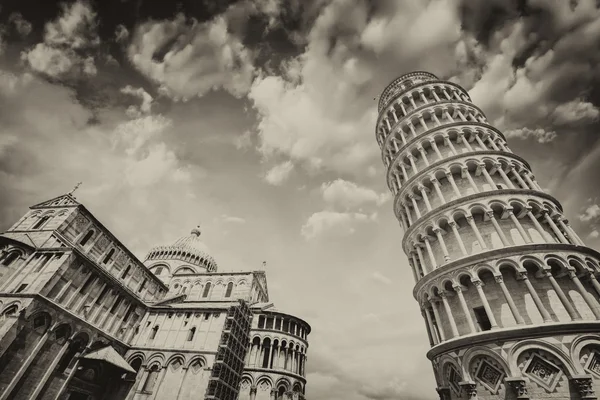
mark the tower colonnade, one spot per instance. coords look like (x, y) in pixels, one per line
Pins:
(508, 291)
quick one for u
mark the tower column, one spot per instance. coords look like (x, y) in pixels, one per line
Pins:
(458, 238)
(411, 159)
(465, 308)
(536, 298)
(440, 238)
(412, 128)
(423, 191)
(555, 229)
(434, 146)
(522, 232)
(504, 176)
(436, 313)
(449, 314)
(430, 252)
(473, 225)
(561, 295)
(464, 140)
(449, 144)
(465, 171)
(480, 142)
(590, 301)
(511, 304)
(415, 206)
(487, 176)
(479, 286)
(538, 226)
(438, 191)
(434, 335)
(423, 155)
(569, 231)
(422, 259)
(492, 218)
(518, 176)
(453, 183)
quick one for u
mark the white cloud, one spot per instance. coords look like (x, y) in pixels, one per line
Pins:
(135, 134)
(121, 34)
(332, 222)
(279, 173)
(540, 135)
(575, 111)
(145, 107)
(243, 141)
(590, 213)
(349, 195)
(379, 277)
(232, 219)
(594, 234)
(22, 26)
(201, 57)
(66, 39)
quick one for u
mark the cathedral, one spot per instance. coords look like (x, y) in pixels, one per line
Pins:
(81, 317)
(507, 289)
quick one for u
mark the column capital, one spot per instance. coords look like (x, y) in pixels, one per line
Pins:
(443, 294)
(452, 224)
(464, 168)
(584, 385)
(470, 389)
(572, 274)
(437, 229)
(490, 214)
(420, 148)
(412, 157)
(253, 390)
(434, 181)
(426, 238)
(448, 174)
(469, 218)
(446, 136)
(421, 187)
(498, 165)
(519, 386)
(431, 140)
(457, 288)
(443, 392)
(477, 283)
(499, 278)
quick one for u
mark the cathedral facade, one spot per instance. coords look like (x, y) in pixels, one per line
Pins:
(82, 318)
(508, 291)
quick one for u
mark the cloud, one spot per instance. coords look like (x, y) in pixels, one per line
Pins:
(232, 219)
(590, 213)
(279, 173)
(540, 135)
(243, 141)
(348, 195)
(320, 110)
(142, 109)
(379, 277)
(69, 41)
(333, 223)
(575, 112)
(121, 34)
(594, 234)
(22, 26)
(394, 389)
(133, 135)
(189, 59)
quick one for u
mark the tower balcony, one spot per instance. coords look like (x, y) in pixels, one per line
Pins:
(403, 83)
(506, 291)
(407, 103)
(484, 222)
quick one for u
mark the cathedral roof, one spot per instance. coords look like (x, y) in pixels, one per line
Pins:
(188, 248)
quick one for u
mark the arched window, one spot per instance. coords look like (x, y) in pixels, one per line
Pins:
(158, 270)
(191, 334)
(184, 270)
(109, 256)
(229, 289)
(40, 222)
(154, 331)
(86, 238)
(10, 258)
(206, 290)
(10, 311)
(125, 272)
(151, 379)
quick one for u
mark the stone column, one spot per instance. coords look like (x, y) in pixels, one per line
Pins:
(415, 206)
(412, 128)
(436, 313)
(509, 300)
(466, 172)
(440, 238)
(536, 298)
(458, 238)
(473, 225)
(487, 176)
(590, 301)
(423, 191)
(438, 190)
(449, 144)
(412, 101)
(538, 226)
(252, 392)
(569, 231)
(465, 141)
(436, 339)
(411, 159)
(423, 155)
(435, 118)
(522, 232)
(422, 259)
(561, 295)
(25, 365)
(423, 124)
(530, 182)
(448, 310)
(519, 387)
(407, 211)
(479, 286)
(465, 308)
(504, 176)
(436, 149)
(401, 103)
(555, 229)
(450, 178)
(492, 218)
(430, 252)
(518, 176)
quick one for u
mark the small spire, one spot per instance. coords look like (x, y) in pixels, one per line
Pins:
(75, 188)
(196, 231)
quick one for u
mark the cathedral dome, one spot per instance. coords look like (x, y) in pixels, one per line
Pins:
(188, 248)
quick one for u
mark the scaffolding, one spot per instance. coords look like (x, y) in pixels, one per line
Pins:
(228, 367)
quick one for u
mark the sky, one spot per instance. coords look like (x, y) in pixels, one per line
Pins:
(256, 120)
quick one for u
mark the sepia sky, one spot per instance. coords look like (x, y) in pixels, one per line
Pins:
(256, 119)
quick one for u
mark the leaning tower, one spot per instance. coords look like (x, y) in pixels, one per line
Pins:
(507, 289)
